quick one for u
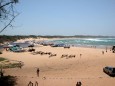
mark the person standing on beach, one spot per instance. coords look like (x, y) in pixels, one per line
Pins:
(106, 49)
(103, 52)
(30, 84)
(80, 55)
(20, 65)
(36, 83)
(38, 72)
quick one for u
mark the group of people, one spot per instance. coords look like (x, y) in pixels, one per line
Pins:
(36, 83)
(79, 83)
(32, 84)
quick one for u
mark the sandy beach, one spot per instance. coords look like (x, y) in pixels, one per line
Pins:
(86, 66)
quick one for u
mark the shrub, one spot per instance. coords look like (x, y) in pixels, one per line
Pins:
(2, 59)
(0, 52)
(8, 81)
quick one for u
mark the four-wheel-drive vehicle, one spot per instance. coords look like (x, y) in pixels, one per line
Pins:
(109, 70)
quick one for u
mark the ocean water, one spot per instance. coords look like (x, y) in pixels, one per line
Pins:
(88, 42)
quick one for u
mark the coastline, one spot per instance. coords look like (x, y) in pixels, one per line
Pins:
(83, 45)
(57, 71)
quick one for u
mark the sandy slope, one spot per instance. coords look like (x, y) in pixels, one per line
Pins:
(62, 71)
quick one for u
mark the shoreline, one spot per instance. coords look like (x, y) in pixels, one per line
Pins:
(50, 40)
(86, 66)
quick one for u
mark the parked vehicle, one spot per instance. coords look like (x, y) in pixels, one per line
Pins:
(58, 45)
(109, 70)
(66, 46)
(16, 48)
(113, 49)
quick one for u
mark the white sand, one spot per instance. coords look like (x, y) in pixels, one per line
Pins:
(61, 71)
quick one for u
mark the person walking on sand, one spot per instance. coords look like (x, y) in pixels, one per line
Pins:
(80, 55)
(30, 84)
(38, 72)
(103, 52)
(36, 83)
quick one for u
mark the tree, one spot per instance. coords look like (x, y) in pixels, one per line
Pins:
(7, 13)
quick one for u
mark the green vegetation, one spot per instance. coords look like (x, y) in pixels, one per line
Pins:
(8, 81)
(2, 59)
(9, 64)
(14, 65)
(0, 52)
(6, 38)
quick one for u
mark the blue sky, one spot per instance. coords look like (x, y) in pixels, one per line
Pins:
(64, 17)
